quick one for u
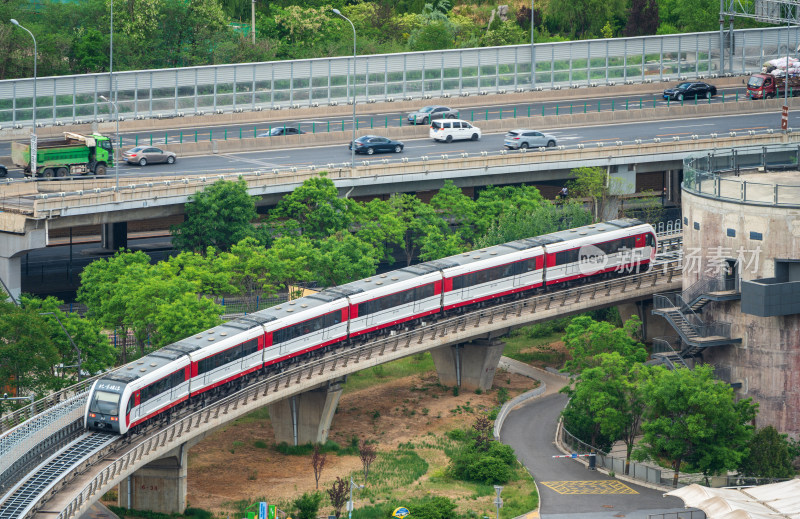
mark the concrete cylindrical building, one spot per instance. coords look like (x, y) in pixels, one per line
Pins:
(742, 236)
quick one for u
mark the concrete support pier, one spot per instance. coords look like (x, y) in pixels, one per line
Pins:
(114, 236)
(159, 486)
(307, 417)
(470, 366)
(12, 248)
(652, 325)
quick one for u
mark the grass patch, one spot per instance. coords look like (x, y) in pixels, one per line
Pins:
(539, 352)
(328, 446)
(413, 365)
(260, 414)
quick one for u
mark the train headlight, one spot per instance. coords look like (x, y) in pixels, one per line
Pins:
(92, 415)
(114, 419)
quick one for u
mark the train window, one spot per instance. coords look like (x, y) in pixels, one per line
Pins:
(105, 403)
(306, 327)
(650, 240)
(129, 407)
(567, 256)
(394, 300)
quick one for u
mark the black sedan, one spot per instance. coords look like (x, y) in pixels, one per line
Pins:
(3, 171)
(691, 91)
(370, 144)
(282, 130)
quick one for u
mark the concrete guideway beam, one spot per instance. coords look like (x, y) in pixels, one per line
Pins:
(306, 417)
(470, 365)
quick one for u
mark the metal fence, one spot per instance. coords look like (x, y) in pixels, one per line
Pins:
(717, 173)
(323, 81)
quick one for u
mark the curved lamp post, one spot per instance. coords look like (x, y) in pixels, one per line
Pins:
(353, 144)
(33, 135)
(118, 144)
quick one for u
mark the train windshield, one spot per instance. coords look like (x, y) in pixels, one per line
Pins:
(105, 403)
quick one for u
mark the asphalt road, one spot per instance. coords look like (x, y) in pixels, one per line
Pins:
(567, 489)
(416, 148)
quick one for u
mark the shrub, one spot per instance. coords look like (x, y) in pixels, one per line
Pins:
(308, 505)
(434, 508)
(490, 470)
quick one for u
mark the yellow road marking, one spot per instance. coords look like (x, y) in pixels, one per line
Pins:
(596, 487)
(753, 128)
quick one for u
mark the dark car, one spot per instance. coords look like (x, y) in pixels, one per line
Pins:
(144, 155)
(690, 91)
(282, 130)
(3, 171)
(370, 144)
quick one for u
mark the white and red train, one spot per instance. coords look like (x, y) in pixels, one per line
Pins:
(226, 357)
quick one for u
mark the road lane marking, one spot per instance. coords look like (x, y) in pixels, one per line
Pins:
(598, 140)
(596, 487)
(684, 126)
(753, 128)
(671, 134)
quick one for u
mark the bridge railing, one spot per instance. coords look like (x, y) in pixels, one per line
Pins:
(465, 327)
(411, 75)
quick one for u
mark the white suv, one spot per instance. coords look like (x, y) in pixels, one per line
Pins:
(449, 130)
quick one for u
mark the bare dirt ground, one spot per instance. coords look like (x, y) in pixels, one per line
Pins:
(228, 466)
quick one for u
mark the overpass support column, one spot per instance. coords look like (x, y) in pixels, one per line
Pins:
(470, 366)
(652, 325)
(12, 246)
(160, 486)
(114, 236)
(307, 417)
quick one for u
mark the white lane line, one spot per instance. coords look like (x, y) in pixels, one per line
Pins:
(684, 126)
(265, 164)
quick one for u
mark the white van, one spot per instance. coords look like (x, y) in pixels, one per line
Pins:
(449, 130)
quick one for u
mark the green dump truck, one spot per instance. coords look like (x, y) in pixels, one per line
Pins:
(75, 154)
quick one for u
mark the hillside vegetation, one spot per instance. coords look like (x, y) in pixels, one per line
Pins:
(73, 37)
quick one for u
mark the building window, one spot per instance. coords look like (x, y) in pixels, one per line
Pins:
(756, 236)
(696, 226)
(731, 233)
(685, 220)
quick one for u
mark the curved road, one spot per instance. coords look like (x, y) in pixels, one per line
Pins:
(567, 489)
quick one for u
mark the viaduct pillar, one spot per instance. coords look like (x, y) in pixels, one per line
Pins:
(12, 247)
(652, 325)
(160, 486)
(307, 417)
(470, 366)
(114, 236)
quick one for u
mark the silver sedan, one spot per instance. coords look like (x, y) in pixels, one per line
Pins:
(516, 139)
(428, 113)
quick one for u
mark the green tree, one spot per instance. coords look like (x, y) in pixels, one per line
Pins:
(316, 207)
(596, 184)
(516, 224)
(611, 394)
(435, 31)
(96, 352)
(218, 216)
(693, 420)
(586, 338)
(106, 285)
(380, 225)
(582, 18)
(417, 218)
(251, 269)
(27, 352)
(291, 260)
(768, 455)
(456, 208)
(342, 258)
(436, 244)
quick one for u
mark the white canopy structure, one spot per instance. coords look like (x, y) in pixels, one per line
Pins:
(774, 501)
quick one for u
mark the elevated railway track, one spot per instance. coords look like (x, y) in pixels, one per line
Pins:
(79, 468)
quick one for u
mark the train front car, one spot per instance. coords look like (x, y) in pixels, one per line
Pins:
(106, 398)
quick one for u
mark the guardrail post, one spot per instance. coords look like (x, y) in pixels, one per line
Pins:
(529, 111)
(386, 122)
(584, 107)
(542, 110)
(487, 114)
(343, 124)
(598, 106)
(210, 133)
(472, 115)
(195, 136)
(501, 114)
(556, 109)
(515, 112)
(136, 141)
(626, 104)
(371, 120)
(180, 136)
(166, 138)
(356, 124)
(313, 127)
(329, 126)
(654, 102)
(151, 139)
(612, 105)
(225, 134)
(640, 103)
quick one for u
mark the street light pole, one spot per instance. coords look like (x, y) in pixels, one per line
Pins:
(533, 53)
(116, 160)
(34, 140)
(353, 143)
(253, 20)
(350, 503)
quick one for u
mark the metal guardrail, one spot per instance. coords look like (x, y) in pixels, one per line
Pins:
(672, 347)
(703, 329)
(465, 327)
(716, 174)
(412, 75)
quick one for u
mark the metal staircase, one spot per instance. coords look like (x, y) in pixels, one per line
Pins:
(707, 289)
(690, 327)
